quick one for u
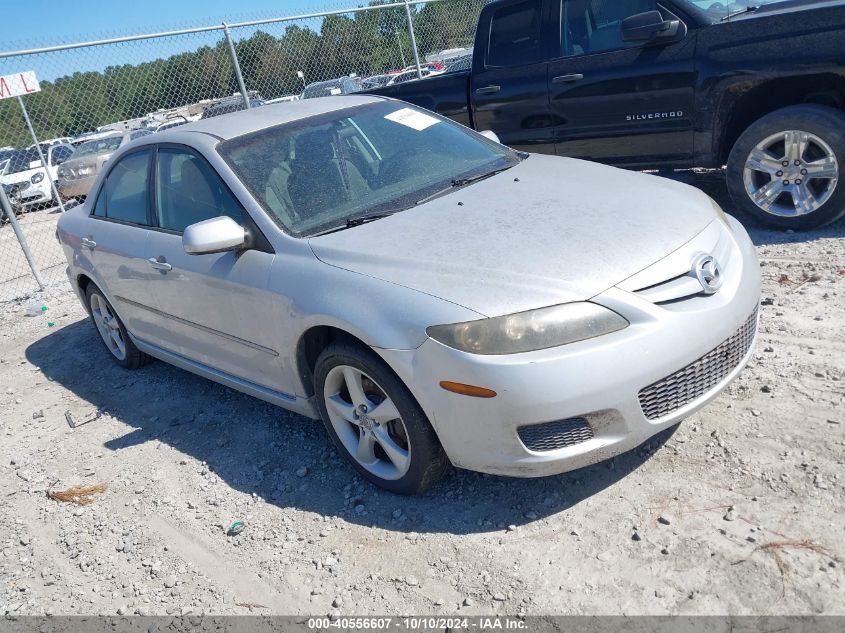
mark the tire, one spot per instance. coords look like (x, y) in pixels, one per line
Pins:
(109, 327)
(812, 135)
(420, 461)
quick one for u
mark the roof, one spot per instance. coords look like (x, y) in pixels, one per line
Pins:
(227, 126)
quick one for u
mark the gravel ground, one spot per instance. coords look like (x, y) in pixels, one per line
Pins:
(739, 510)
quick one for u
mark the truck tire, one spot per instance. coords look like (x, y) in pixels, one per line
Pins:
(787, 170)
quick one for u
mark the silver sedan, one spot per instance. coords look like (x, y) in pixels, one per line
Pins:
(434, 297)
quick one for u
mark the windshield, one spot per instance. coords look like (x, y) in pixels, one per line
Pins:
(22, 159)
(716, 10)
(101, 146)
(321, 172)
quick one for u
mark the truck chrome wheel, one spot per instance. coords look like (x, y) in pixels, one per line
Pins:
(791, 173)
(367, 422)
(108, 326)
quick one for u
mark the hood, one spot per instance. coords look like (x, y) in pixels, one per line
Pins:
(566, 231)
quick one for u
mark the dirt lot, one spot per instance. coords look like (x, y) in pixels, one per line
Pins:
(739, 511)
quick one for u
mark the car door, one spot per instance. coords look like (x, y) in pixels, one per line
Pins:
(214, 309)
(622, 102)
(509, 81)
(115, 241)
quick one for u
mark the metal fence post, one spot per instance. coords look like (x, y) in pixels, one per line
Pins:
(413, 37)
(41, 154)
(6, 207)
(237, 66)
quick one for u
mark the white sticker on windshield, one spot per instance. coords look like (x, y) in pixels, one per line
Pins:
(412, 119)
(336, 91)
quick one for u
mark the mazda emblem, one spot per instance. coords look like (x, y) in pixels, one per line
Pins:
(708, 272)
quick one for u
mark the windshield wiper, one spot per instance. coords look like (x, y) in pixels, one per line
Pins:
(462, 182)
(356, 221)
(739, 12)
(363, 219)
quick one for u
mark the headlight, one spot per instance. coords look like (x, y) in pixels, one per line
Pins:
(36, 178)
(530, 331)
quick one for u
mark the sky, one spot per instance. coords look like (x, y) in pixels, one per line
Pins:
(27, 24)
(31, 23)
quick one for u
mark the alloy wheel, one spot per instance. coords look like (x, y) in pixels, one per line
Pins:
(108, 326)
(367, 422)
(791, 173)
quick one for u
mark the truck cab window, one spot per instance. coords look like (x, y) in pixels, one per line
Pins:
(515, 35)
(595, 26)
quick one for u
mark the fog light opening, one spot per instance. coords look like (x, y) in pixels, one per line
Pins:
(467, 390)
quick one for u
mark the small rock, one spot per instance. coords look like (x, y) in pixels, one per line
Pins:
(324, 533)
(665, 551)
(530, 515)
(337, 603)
(756, 413)
(170, 582)
(766, 389)
(510, 528)
(665, 519)
(412, 581)
(439, 602)
(730, 515)
(636, 537)
(302, 471)
(468, 602)
(499, 597)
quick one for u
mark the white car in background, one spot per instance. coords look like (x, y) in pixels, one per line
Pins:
(28, 179)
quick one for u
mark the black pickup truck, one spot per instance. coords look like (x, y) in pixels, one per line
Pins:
(757, 85)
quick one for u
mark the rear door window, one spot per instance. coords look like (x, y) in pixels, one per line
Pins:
(515, 35)
(125, 195)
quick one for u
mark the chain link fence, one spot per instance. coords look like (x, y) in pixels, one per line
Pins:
(98, 95)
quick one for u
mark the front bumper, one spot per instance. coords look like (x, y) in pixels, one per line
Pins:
(34, 194)
(75, 187)
(597, 380)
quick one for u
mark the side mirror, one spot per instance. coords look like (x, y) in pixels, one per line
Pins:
(491, 135)
(217, 235)
(647, 26)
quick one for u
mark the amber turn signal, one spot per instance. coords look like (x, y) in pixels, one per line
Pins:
(467, 390)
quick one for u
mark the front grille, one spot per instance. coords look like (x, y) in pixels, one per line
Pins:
(551, 436)
(693, 381)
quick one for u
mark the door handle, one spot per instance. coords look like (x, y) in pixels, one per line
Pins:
(159, 265)
(88, 243)
(568, 79)
(488, 90)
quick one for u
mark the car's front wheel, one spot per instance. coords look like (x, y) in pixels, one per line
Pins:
(375, 422)
(786, 170)
(112, 331)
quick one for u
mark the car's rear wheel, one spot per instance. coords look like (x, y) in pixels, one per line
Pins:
(786, 169)
(375, 422)
(112, 331)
